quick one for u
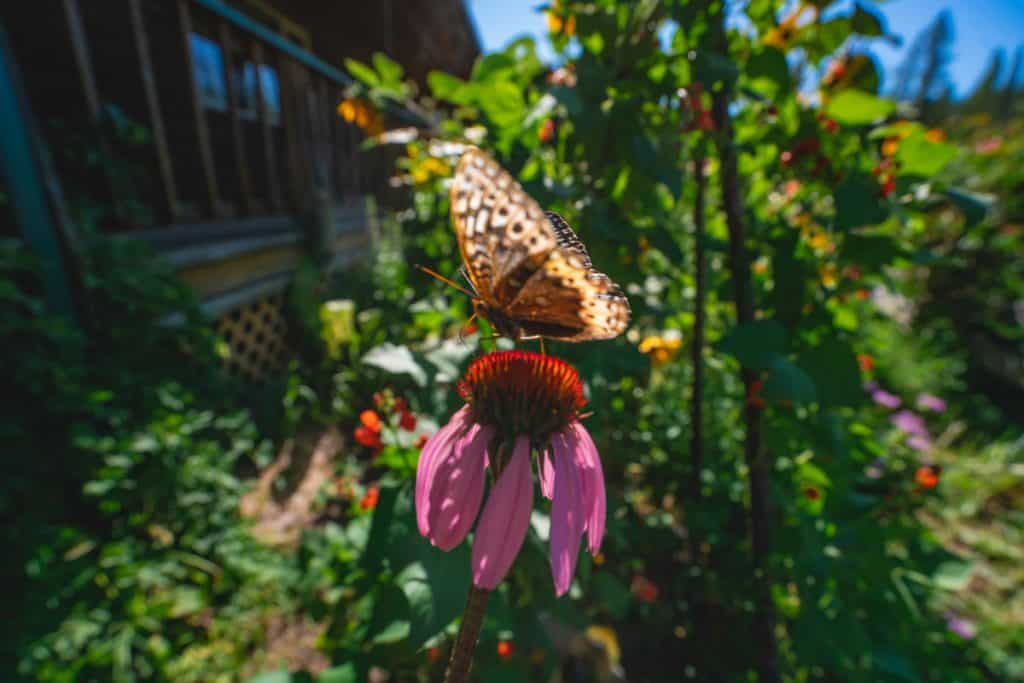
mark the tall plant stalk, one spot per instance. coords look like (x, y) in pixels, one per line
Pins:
(754, 450)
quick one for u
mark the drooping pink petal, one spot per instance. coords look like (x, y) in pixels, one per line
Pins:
(434, 451)
(547, 474)
(593, 484)
(458, 488)
(568, 513)
(506, 517)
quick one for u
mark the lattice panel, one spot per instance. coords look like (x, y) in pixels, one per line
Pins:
(255, 334)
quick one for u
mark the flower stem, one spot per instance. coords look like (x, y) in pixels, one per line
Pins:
(469, 633)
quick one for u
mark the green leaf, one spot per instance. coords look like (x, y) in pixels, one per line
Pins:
(436, 588)
(272, 677)
(398, 360)
(755, 344)
(973, 206)
(919, 156)
(953, 576)
(447, 87)
(833, 367)
(858, 202)
(390, 71)
(390, 621)
(503, 103)
(612, 594)
(769, 73)
(787, 382)
(362, 72)
(871, 250)
(865, 22)
(346, 673)
(857, 108)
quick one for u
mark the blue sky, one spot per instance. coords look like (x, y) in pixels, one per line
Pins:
(980, 26)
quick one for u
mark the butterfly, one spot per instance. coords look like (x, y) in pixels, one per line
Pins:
(531, 275)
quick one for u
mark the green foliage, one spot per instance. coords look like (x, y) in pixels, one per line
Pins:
(880, 255)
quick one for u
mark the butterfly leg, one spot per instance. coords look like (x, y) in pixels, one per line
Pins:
(535, 337)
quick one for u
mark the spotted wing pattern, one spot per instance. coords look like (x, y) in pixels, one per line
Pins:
(502, 233)
(527, 264)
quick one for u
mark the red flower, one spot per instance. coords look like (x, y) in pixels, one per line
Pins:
(754, 394)
(547, 131)
(862, 294)
(434, 654)
(866, 362)
(927, 476)
(370, 420)
(812, 493)
(644, 589)
(422, 441)
(831, 126)
(367, 437)
(369, 500)
(889, 186)
(401, 405)
(506, 649)
(407, 421)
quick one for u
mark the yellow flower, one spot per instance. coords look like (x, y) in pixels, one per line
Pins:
(829, 274)
(890, 147)
(783, 35)
(661, 349)
(428, 169)
(558, 24)
(363, 114)
(935, 135)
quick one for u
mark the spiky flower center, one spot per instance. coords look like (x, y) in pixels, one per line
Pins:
(522, 392)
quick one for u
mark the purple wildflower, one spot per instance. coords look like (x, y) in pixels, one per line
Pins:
(884, 398)
(930, 402)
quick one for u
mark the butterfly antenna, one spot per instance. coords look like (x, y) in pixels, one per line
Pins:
(445, 280)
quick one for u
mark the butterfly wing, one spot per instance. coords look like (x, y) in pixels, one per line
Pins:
(566, 299)
(503, 234)
(526, 264)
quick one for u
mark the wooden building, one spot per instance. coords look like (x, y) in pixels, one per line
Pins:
(207, 129)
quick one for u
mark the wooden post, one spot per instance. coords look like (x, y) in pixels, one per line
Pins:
(237, 137)
(202, 130)
(83, 63)
(156, 121)
(267, 126)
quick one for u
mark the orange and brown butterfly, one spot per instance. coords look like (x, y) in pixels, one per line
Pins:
(531, 275)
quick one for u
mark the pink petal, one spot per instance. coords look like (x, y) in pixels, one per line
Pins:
(594, 496)
(434, 451)
(458, 488)
(547, 474)
(502, 528)
(567, 516)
